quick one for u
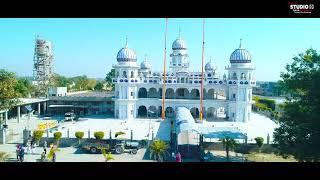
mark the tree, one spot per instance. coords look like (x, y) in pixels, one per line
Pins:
(52, 151)
(299, 130)
(158, 150)
(84, 83)
(228, 144)
(60, 81)
(79, 135)
(109, 76)
(259, 141)
(57, 136)
(99, 86)
(108, 156)
(37, 135)
(99, 135)
(81, 82)
(8, 94)
(23, 87)
(91, 84)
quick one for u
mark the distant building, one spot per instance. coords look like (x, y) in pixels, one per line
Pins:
(57, 91)
(82, 103)
(265, 88)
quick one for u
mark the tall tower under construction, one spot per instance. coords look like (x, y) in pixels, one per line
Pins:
(42, 67)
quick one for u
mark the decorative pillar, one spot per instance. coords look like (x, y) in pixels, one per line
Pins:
(110, 135)
(39, 108)
(18, 113)
(44, 107)
(152, 136)
(6, 117)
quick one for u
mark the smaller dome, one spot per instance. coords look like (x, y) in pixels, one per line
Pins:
(240, 55)
(126, 54)
(145, 65)
(209, 66)
(179, 44)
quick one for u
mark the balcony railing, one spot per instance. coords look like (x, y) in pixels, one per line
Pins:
(190, 81)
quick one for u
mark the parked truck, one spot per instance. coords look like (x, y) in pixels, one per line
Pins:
(114, 145)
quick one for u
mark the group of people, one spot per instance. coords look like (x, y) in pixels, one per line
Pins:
(20, 153)
(30, 146)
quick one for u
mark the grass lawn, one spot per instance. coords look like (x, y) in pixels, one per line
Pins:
(263, 157)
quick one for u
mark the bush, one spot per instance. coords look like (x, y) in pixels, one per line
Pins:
(37, 135)
(79, 134)
(119, 133)
(99, 135)
(57, 136)
(269, 103)
(259, 141)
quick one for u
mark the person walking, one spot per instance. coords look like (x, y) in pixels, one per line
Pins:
(18, 152)
(43, 156)
(28, 147)
(45, 147)
(54, 157)
(178, 157)
(32, 146)
(21, 155)
(173, 156)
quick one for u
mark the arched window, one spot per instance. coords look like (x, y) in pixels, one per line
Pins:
(209, 75)
(243, 76)
(117, 74)
(234, 76)
(132, 74)
(124, 74)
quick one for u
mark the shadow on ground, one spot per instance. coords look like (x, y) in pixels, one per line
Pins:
(80, 151)
(163, 132)
(218, 158)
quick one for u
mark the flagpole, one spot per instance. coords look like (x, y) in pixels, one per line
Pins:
(164, 73)
(202, 78)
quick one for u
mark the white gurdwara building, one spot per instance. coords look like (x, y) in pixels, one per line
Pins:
(138, 89)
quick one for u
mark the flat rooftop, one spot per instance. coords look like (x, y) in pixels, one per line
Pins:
(85, 96)
(100, 94)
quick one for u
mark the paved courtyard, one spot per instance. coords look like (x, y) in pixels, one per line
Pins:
(258, 126)
(73, 154)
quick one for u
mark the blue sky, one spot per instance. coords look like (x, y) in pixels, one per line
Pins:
(89, 46)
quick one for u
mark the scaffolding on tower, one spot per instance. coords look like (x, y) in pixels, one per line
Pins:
(42, 65)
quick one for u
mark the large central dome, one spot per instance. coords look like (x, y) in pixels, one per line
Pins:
(179, 44)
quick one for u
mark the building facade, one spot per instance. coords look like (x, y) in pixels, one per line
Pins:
(138, 89)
